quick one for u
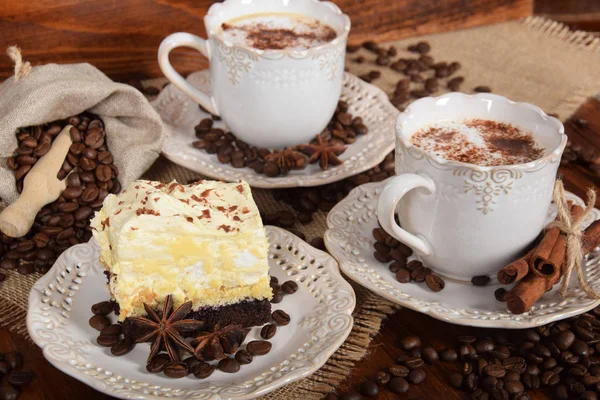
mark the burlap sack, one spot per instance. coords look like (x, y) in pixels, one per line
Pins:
(41, 94)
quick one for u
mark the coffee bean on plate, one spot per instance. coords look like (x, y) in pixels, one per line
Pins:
(107, 340)
(203, 370)
(258, 347)
(268, 331)
(229, 365)
(280, 317)
(99, 322)
(103, 308)
(434, 282)
(175, 369)
(289, 287)
(122, 347)
(243, 357)
(482, 280)
(157, 364)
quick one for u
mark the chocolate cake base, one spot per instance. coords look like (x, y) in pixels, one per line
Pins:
(246, 313)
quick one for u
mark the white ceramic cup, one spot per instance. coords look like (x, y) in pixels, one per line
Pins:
(267, 98)
(465, 220)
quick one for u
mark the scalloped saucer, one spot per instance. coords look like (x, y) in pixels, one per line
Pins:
(350, 241)
(321, 311)
(182, 114)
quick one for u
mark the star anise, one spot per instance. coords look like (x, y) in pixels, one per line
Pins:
(320, 150)
(166, 330)
(287, 159)
(217, 344)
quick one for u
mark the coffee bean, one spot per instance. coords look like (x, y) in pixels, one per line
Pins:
(455, 380)
(435, 283)
(277, 297)
(122, 347)
(107, 340)
(203, 370)
(369, 389)
(398, 385)
(399, 370)
(20, 378)
(243, 357)
(416, 376)
(103, 308)
(268, 331)
(229, 365)
(114, 329)
(484, 345)
(14, 359)
(514, 387)
(280, 317)
(470, 382)
(410, 342)
(258, 347)
(500, 294)
(549, 378)
(420, 273)
(414, 362)
(382, 378)
(448, 355)
(7, 263)
(99, 322)
(430, 355)
(175, 369)
(564, 340)
(482, 280)
(454, 83)
(351, 396)
(158, 363)
(82, 213)
(103, 173)
(482, 89)
(9, 392)
(289, 287)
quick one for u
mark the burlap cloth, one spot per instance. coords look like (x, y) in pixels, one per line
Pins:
(533, 60)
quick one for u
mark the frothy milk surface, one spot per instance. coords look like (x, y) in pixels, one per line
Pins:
(478, 141)
(277, 31)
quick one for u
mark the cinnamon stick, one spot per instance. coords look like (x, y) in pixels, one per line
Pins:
(531, 288)
(557, 255)
(516, 270)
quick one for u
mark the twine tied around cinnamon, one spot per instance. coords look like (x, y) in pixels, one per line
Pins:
(22, 69)
(574, 232)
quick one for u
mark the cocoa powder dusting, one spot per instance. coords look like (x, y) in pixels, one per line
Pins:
(497, 143)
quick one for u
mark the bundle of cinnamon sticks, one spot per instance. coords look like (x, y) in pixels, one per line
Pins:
(543, 266)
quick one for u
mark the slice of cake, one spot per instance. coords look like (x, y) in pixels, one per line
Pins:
(203, 243)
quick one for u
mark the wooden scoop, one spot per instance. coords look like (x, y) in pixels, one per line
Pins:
(40, 187)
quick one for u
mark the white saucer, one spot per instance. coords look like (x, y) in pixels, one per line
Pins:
(321, 311)
(349, 239)
(182, 114)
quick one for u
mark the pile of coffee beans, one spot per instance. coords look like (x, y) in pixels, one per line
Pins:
(423, 75)
(408, 370)
(390, 250)
(112, 335)
(342, 130)
(90, 176)
(13, 376)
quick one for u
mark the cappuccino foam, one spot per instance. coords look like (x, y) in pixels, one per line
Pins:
(277, 31)
(478, 141)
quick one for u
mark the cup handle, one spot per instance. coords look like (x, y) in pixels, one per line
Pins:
(386, 208)
(182, 39)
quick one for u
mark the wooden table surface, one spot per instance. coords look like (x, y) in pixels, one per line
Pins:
(51, 384)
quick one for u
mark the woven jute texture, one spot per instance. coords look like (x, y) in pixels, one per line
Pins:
(534, 60)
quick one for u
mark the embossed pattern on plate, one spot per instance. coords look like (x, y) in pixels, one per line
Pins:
(321, 311)
(182, 114)
(349, 239)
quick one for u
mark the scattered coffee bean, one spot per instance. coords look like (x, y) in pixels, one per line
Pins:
(107, 340)
(203, 370)
(289, 287)
(482, 280)
(268, 331)
(448, 355)
(258, 347)
(382, 378)
(398, 385)
(430, 355)
(175, 369)
(434, 282)
(99, 322)
(243, 357)
(280, 317)
(410, 342)
(369, 389)
(482, 89)
(158, 363)
(500, 294)
(229, 365)
(122, 347)
(102, 308)
(399, 370)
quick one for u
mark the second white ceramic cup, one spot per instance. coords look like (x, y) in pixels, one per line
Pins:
(465, 220)
(267, 98)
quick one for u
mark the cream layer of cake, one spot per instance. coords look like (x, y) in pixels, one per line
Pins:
(202, 242)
